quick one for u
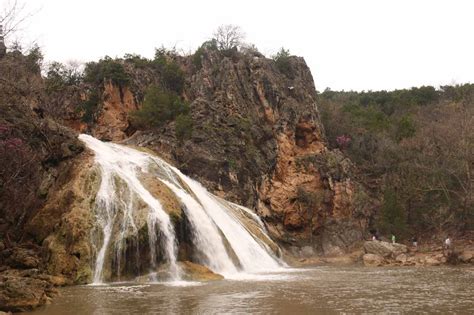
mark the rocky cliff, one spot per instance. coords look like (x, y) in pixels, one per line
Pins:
(257, 140)
(36, 156)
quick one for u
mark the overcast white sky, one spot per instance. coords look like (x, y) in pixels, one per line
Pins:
(364, 44)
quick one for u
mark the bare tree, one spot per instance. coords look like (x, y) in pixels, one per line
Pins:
(12, 15)
(228, 36)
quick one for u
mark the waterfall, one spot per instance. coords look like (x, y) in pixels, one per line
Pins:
(227, 238)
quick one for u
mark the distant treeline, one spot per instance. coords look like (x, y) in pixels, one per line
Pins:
(414, 149)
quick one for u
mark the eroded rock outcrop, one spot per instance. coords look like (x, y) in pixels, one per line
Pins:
(112, 122)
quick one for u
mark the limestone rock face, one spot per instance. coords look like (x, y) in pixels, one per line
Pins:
(31, 172)
(19, 257)
(18, 294)
(63, 225)
(112, 121)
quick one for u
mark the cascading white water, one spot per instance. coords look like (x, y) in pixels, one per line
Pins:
(119, 162)
(223, 242)
(253, 256)
(206, 235)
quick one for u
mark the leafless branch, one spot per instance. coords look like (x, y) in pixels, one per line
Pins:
(13, 16)
(228, 36)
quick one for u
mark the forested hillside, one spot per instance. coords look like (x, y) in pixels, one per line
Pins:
(414, 149)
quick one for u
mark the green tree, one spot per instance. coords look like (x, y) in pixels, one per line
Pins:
(405, 128)
(183, 127)
(106, 69)
(282, 61)
(158, 108)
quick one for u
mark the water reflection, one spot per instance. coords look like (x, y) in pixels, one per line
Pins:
(327, 290)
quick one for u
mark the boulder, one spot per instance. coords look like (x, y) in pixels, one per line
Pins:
(373, 260)
(402, 258)
(196, 272)
(18, 294)
(466, 256)
(384, 249)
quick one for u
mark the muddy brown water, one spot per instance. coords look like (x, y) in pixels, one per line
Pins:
(317, 290)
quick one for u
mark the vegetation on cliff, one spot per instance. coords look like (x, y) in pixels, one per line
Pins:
(31, 145)
(415, 149)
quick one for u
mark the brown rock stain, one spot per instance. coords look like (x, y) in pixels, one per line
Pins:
(112, 122)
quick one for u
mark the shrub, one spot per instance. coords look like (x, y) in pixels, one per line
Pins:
(19, 175)
(405, 128)
(184, 127)
(158, 107)
(173, 77)
(282, 60)
(34, 59)
(89, 106)
(197, 58)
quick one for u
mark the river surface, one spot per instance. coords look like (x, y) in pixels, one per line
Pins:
(316, 290)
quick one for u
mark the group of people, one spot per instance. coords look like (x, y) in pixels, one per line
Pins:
(414, 240)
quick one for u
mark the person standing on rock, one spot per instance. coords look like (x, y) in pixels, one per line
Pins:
(447, 243)
(415, 241)
(393, 238)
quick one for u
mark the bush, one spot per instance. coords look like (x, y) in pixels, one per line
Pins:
(405, 128)
(173, 77)
(106, 69)
(89, 106)
(158, 107)
(34, 59)
(184, 127)
(282, 60)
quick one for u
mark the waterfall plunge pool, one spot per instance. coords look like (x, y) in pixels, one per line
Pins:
(317, 290)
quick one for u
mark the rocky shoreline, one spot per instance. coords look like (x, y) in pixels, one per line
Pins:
(379, 253)
(386, 254)
(24, 285)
